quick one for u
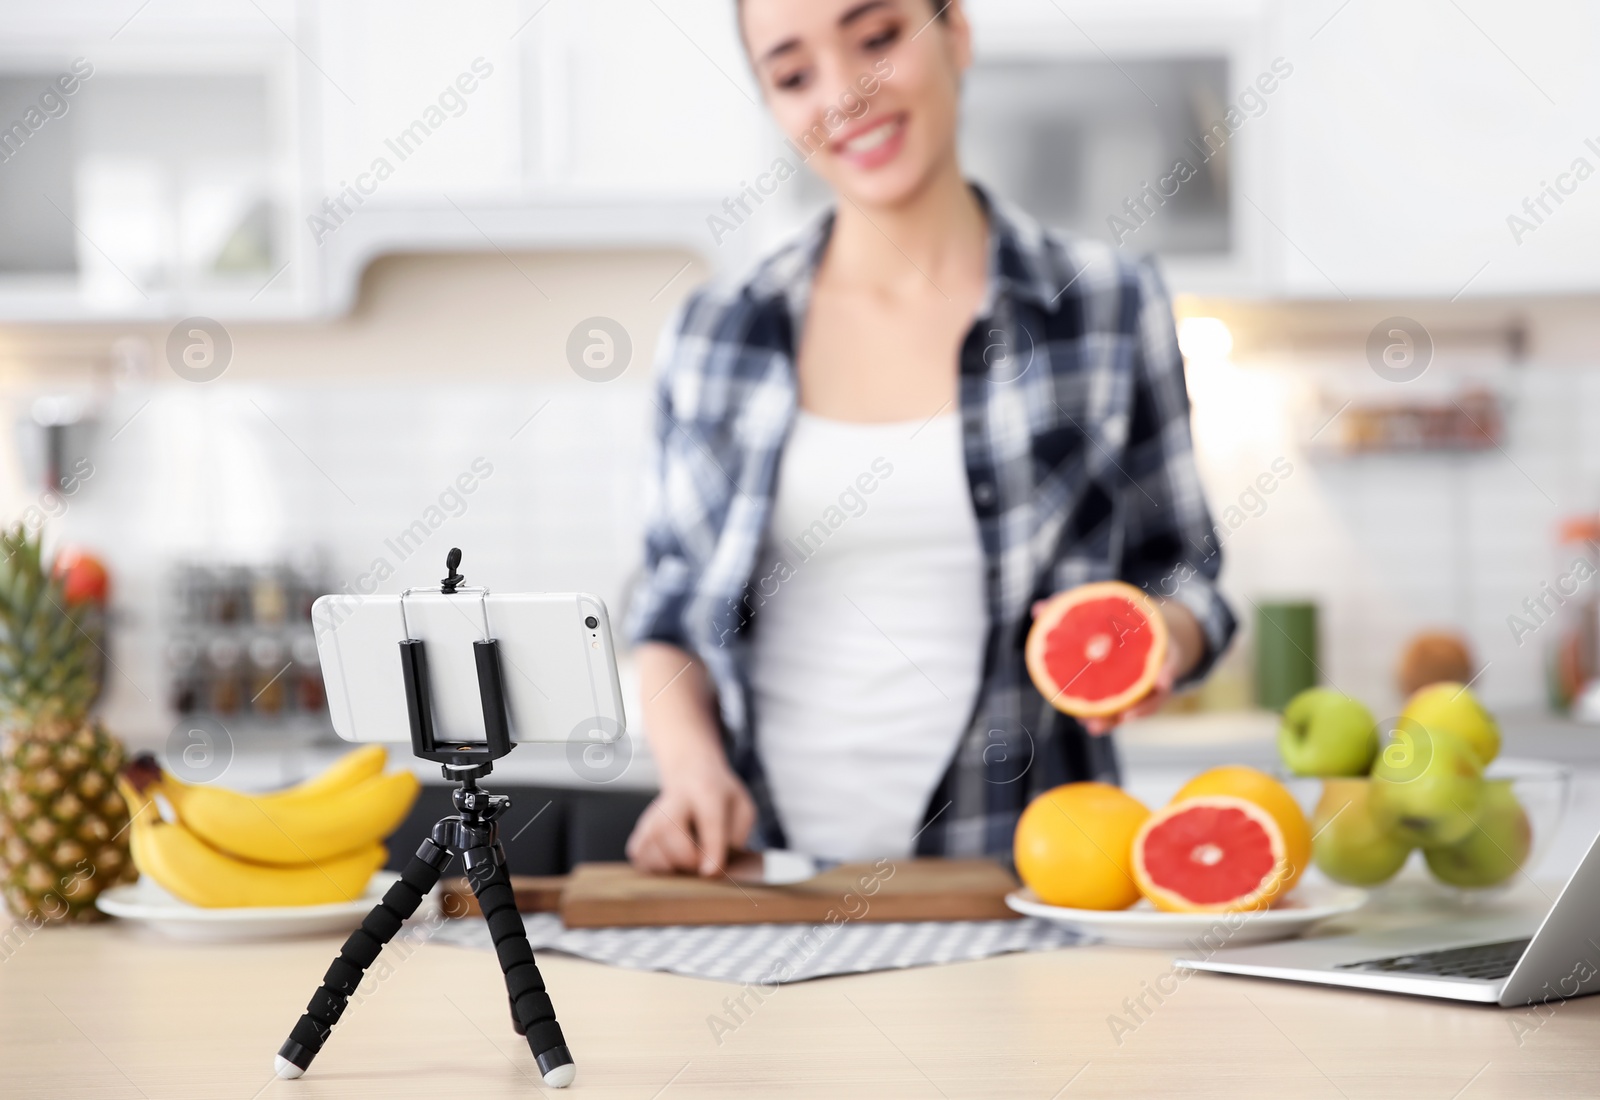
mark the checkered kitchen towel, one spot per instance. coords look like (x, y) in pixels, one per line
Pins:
(776, 953)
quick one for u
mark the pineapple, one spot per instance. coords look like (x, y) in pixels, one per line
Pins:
(63, 826)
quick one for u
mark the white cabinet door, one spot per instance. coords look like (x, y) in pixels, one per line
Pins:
(636, 98)
(418, 100)
(1414, 134)
(646, 98)
(98, 27)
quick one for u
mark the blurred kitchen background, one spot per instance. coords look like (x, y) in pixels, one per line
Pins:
(275, 275)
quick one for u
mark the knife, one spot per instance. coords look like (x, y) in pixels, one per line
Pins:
(774, 867)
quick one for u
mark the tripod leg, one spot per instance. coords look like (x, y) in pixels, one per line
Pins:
(329, 1001)
(531, 1006)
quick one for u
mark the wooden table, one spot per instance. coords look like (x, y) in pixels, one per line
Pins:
(110, 1012)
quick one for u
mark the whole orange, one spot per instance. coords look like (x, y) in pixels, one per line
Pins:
(1074, 846)
(1255, 786)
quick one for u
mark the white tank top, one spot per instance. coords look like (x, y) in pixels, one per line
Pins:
(868, 643)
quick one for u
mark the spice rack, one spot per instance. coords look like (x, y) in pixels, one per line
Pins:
(1463, 421)
(240, 647)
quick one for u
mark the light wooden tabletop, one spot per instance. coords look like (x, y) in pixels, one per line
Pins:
(110, 1012)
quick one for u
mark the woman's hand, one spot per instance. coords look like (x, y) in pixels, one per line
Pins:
(1185, 644)
(703, 809)
(698, 816)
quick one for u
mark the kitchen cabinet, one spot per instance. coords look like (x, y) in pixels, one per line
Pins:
(1390, 157)
(632, 98)
(248, 161)
(1414, 132)
(333, 133)
(102, 25)
(412, 101)
(649, 98)
(522, 124)
(1124, 123)
(151, 164)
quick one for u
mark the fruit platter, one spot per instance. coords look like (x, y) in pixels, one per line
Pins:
(1143, 925)
(1222, 861)
(146, 903)
(227, 864)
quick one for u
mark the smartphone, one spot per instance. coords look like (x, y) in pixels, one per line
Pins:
(556, 662)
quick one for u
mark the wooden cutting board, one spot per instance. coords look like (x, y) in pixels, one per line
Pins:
(611, 895)
(534, 894)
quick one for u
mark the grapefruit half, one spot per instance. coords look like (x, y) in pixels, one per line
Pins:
(1097, 649)
(1211, 854)
(1257, 786)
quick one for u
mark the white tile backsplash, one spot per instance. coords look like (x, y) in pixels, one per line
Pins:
(261, 473)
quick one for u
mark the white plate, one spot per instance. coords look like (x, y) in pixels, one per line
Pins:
(150, 905)
(1143, 925)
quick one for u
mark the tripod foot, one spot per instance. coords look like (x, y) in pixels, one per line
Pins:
(557, 1076)
(328, 1003)
(535, 1015)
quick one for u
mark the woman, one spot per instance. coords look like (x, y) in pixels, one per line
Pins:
(873, 457)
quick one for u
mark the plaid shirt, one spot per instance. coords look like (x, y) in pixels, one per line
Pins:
(1076, 426)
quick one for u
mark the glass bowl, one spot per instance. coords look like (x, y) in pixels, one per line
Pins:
(1542, 787)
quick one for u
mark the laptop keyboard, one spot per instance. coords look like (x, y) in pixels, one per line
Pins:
(1482, 961)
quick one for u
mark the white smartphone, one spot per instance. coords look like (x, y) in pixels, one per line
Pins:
(556, 662)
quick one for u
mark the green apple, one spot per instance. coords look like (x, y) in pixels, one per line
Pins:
(1451, 708)
(1492, 852)
(1325, 732)
(1348, 844)
(1426, 785)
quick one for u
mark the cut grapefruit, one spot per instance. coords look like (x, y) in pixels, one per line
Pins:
(1097, 649)
(1073, 844)
(1211, 854)
(1253, 785)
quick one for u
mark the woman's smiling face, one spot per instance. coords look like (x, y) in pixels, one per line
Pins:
(867, 89)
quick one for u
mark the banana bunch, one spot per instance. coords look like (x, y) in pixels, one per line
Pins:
(312, 844)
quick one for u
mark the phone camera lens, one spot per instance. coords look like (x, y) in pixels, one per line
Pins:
(591, 622)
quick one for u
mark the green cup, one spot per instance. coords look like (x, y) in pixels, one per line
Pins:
(1286, 652)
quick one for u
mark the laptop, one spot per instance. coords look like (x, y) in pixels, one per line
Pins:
(1502, 960)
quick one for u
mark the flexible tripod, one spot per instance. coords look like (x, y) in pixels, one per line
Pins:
(472, 832)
